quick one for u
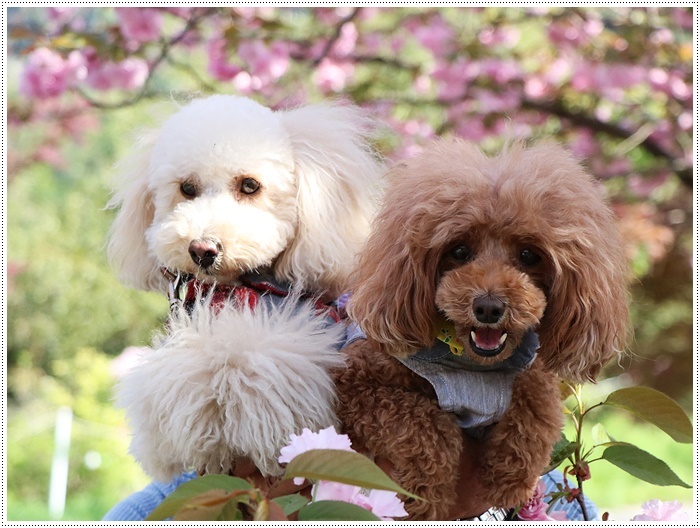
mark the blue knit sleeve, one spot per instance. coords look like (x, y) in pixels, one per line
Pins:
(572, 509)
(137, 506)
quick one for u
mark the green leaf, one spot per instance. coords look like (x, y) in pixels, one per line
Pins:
(291, 503)
(188, 490)
(347, 467)
(642, 465)
(562, 450)
(599, 434)
(207, 506)
(656, 408)
(230, 512)
(335, 511)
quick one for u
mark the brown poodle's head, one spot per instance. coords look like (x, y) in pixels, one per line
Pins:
(498, 246)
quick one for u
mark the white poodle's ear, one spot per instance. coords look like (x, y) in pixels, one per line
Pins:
(338, 186)
(127, 249)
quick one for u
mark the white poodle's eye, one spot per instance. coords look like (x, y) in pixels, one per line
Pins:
(529, 257)
(461, 253)
(188, 189)
(249, 186)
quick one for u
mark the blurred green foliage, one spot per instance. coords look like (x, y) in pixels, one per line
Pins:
(67, 318)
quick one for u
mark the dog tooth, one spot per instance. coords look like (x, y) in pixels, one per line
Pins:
(503, 338)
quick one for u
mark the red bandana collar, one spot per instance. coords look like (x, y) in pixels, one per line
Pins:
(253, 286)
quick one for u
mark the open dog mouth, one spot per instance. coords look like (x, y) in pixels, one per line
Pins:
(487, 342)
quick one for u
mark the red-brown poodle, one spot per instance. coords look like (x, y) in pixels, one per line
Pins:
(486, 280)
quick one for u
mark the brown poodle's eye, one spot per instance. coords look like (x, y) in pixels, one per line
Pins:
(461, 253)
(188, 189)
(249, 186)
(529, 257)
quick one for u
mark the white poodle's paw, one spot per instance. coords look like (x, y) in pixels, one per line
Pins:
(218, 386)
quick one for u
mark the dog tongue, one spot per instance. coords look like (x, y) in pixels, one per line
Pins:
(487, 338)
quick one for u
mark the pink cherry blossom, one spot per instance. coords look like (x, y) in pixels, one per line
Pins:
(47, 74)
(536, 509)
(436, 36)
(453, 78)
(683, 17)
(61, 15)
(267, 63)
(662, 511)
(128, 74)
(584, 144)
(140, 24)
(219, 65)
(347, 41)
(535, 87)
(504, 36)
(490, 102)
(501, 71)
(384, 504)
(335, 491)
(332, 76)
(325, 439)
(558, 71)
(472, 128)
(606, 77)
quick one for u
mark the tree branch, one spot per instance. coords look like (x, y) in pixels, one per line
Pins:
(685, 174)
(336, 35)
(164, 51)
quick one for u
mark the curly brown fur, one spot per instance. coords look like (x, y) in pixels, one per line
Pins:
(400, 404)
(498, 246)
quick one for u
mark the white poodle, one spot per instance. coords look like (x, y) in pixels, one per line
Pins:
(267, 210)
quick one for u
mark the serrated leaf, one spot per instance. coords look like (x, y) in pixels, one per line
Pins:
(187, 490)
(642, 465)
(656, 408)
(346, 467)
(335, 511)
(291, 503)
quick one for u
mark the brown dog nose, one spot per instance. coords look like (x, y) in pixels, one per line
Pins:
(204, 252)
(488, 309)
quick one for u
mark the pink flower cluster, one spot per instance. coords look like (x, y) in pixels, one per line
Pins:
(265, 64)
(384, 504)
(308, 440)
(660, 511)
(139, 25)
(536, 509)
(47, 74)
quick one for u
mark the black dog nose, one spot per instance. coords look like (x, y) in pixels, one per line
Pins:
(203, 252)
(488, 309)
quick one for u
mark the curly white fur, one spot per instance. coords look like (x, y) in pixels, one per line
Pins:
(319, 182)
(217, 387)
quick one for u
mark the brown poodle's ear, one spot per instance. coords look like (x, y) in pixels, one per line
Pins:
(586, 323)
(127, 248)
(394, 286)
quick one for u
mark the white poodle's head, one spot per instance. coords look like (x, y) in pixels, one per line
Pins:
(228, 186)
